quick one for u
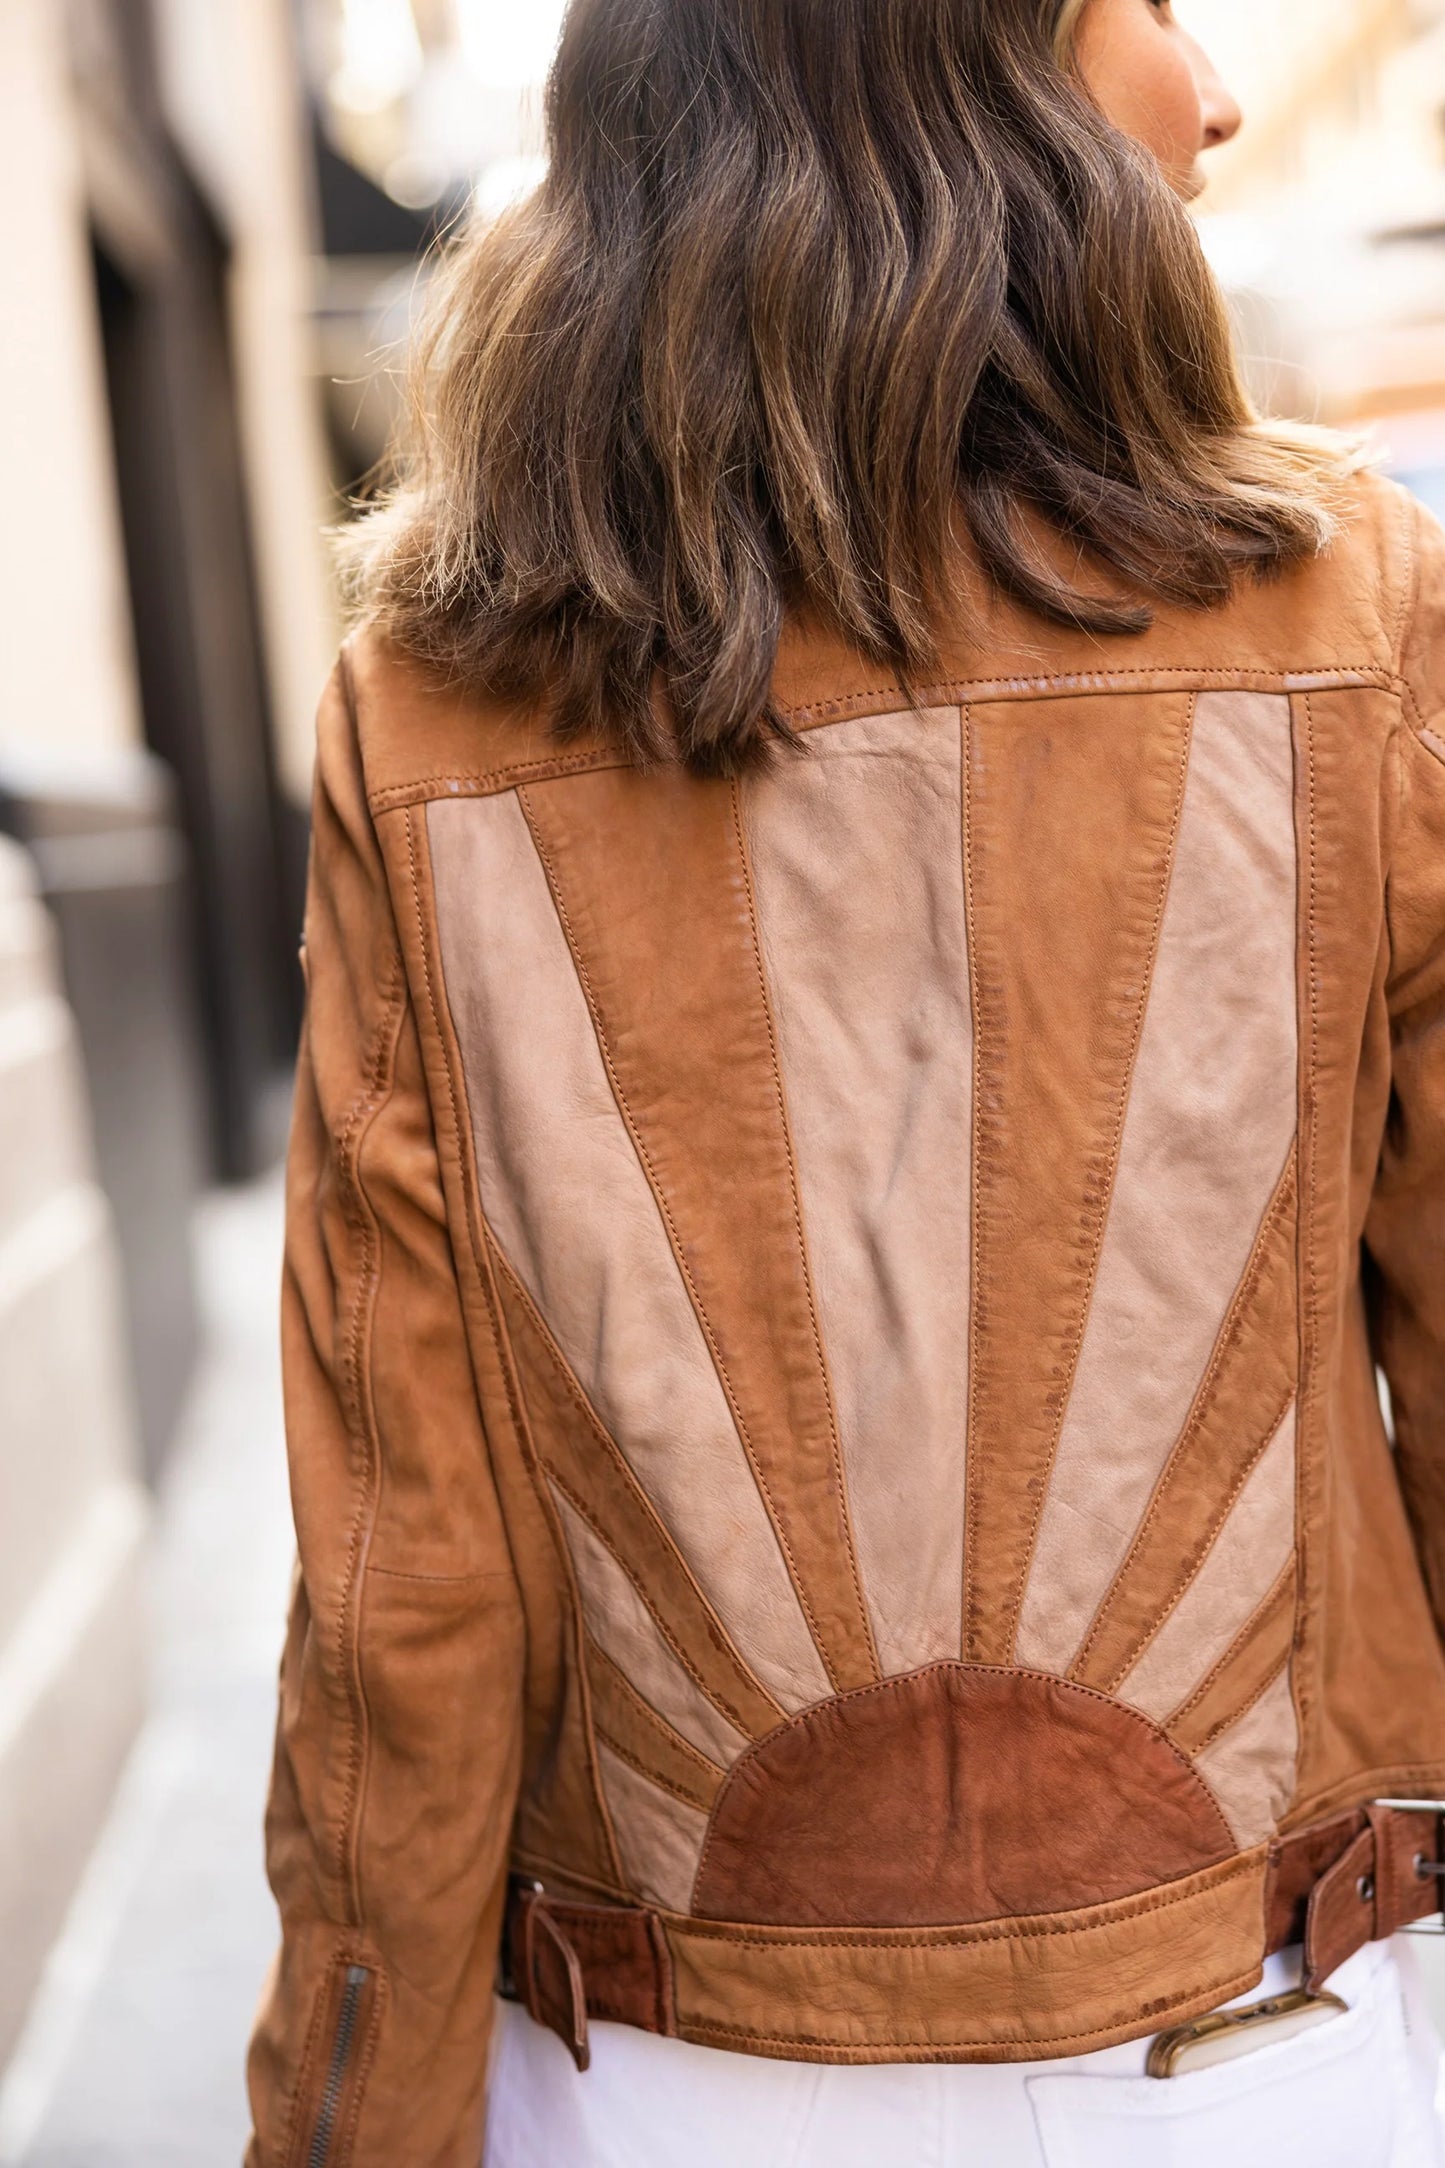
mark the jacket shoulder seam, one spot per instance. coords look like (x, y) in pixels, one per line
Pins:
(462, 781)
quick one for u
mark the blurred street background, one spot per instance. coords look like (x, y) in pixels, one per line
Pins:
(214, 223)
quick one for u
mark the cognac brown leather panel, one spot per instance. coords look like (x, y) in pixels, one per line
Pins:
(951, 1994)
(1410, 1309)
(1372, 816)
(956, 1793)
(652, 886)
(1070, 819)
(1246, 1391)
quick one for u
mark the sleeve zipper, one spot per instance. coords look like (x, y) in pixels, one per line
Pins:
(357, 1980)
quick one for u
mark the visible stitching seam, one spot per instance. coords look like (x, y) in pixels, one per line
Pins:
(1283, 1199)
(710, 1693)
(1074, 1345)
(357, 1209)
(1212, 1532)
(608, 1443)
(438, 1580)
(1087, 683)
(977, 1301)
(1287, 1577)
(472, 1216)
(1309, 1307)
(1343, 677)
(1226, 1723)
(933, 2050)
(652, 1776)
(648, 1715)
(507, 777)
(951, 1665)
(1119, 1912)
(834, 1443)
(639, 1144)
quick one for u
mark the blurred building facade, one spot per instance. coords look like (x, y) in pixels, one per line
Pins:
(1326, 216)
(167, 619)
(209, 245)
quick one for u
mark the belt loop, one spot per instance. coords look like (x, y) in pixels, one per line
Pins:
(550, 1979)
(1385, 1881)
(1342, 1915)
(1390, 1912)
(1410, 1835)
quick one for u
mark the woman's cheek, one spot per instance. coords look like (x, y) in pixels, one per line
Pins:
(1143, 81)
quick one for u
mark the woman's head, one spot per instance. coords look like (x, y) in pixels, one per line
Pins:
(814, 292)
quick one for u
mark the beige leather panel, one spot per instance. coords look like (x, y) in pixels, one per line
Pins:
(1250, 1768)
(658, 1835)
(1249, 1553)
(857, 868)
(626, 1631)
(1209, 1127)
(571, 1208)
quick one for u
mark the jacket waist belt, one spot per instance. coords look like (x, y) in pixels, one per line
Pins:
(1357, 1877)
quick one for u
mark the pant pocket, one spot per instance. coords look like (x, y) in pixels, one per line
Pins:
(1340, 2096)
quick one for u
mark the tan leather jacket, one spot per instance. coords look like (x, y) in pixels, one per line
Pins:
(830, 1331)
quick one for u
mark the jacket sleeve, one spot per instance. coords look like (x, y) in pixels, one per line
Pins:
(1405, 1231)
(398, 1738)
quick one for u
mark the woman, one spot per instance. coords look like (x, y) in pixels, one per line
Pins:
(874, 1093)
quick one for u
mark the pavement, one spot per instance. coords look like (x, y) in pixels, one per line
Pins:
(134, 2051)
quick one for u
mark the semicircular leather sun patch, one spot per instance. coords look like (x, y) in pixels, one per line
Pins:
(957, 1793)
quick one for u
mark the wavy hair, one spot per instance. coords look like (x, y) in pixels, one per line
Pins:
(814, 293)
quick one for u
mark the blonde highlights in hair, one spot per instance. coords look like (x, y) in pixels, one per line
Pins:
(1068, 22)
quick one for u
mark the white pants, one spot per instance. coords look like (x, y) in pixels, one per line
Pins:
(1357, 2092)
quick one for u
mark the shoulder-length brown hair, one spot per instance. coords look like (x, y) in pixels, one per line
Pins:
(813, 287)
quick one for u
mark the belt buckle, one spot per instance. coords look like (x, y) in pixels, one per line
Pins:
(1431, 1924)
